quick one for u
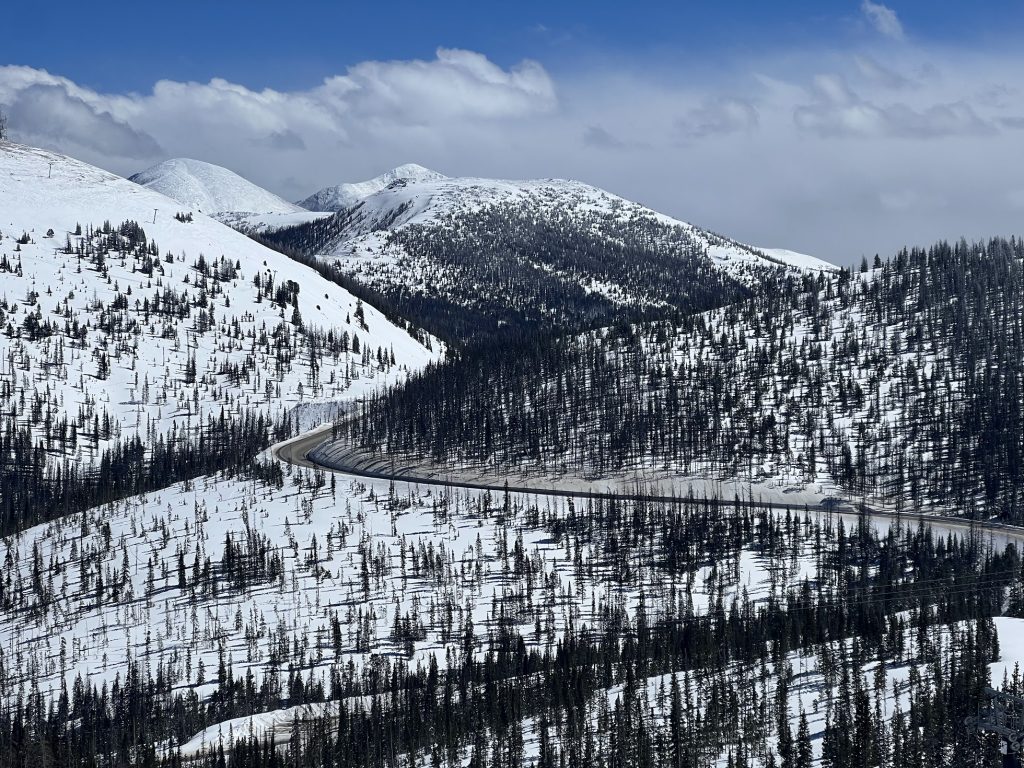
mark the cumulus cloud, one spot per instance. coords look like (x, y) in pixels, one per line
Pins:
(54, 111)
(456, 84)
(719, 116)
(883, 19)
(415, 101)
(880, 75)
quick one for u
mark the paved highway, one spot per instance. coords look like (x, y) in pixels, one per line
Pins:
(296, 451)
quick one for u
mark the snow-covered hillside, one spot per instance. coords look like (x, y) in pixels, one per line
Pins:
(310, 594)
(438, 201)
(351, 622)
(346, 195)
(468, 256)
(128, 313)
(263, 223)
(210, 188)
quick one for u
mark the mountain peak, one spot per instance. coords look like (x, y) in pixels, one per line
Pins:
(414, 171)
(210, 188)
(348, 194)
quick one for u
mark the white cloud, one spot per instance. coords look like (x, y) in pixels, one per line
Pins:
(883, 19)
(881, 75)
(457, 84)
(836, 110)
(222, 121)
(596, 136)
(54, 113)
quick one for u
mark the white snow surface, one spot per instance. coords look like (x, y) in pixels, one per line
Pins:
(209, 188)
(146, 390)
(276, 724)
(435, 553)
(797, 259)
(346, 195)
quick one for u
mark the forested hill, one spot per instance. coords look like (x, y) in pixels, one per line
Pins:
(477, 259)
(129, 323)
(900, 382)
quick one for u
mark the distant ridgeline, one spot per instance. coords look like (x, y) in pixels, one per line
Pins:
(903, 382)
(507, 271)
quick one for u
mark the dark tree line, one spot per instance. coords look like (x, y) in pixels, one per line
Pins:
(35, 489)
(905, 382)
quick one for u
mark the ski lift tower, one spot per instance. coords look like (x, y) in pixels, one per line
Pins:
(1003, 715)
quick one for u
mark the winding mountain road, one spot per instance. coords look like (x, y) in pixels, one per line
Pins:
(297, 452)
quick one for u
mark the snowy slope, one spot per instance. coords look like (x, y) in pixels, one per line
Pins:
(800, 260)
(439, 558)
(361, 238)
(262, 223)
(155, 337)
(209, 188)
(360, 572)
(433, 202)
(346, 195)
(472, 257)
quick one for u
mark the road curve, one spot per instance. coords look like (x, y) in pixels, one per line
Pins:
(296, 451)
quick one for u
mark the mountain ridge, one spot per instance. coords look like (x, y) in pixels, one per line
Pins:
(210, 188)
(470, 255)
(344, 195)
(147, 320)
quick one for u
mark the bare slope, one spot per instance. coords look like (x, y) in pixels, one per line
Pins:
(209, 188)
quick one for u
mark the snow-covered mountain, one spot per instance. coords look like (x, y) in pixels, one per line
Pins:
(437, 201)
(464, 254)
(124, 311)
(210, 189)
(346, 195)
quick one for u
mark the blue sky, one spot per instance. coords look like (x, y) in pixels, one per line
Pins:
(840, 128)
(287, 46)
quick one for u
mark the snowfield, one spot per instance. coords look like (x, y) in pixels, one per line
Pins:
(799, 260)
(210, 188)
(128, 312)
(367, 572)
(261, 223)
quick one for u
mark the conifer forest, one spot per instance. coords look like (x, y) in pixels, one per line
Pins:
(457, 471)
